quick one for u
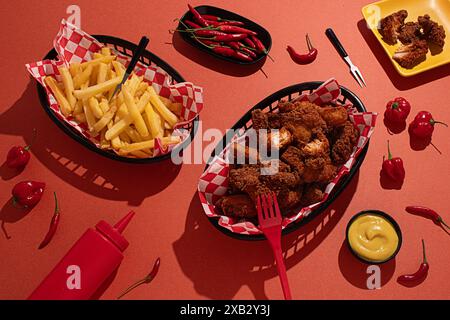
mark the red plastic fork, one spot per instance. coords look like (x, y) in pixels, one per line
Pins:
(269, 217)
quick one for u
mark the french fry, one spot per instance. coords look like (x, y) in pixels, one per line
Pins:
(104, 144)
(82, 77)
(64, 105)
(134, 113)
(103, 122)
(176, 108)
(104, 59)
(78, 107)
(94, 73)
(115, 142)
(133, 134)
(118, 68)
(95, 108)
(104, 105)
(164, 100)
(96, 89)
(106, 51)
(153, 121)
(80, 117)
(125, 138)
(149, 144)
(127, 119)
(161, 108)
(101, 74)
(75, 68)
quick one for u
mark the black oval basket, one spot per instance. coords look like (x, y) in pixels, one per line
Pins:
(126, 48)
(270, 104)
(263, 34)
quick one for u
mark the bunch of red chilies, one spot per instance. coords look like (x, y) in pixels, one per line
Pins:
(227, 38)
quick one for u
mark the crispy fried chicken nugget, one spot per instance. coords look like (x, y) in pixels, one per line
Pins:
(334, 116)
(237, 205)
(390, 26)
(343, 141)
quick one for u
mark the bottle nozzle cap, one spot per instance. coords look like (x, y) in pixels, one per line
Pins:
(122, 223)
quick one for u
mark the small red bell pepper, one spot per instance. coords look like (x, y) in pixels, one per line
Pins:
(28, 193)
(423, 125)
(19, 156)
(393, 167)
(397, 110)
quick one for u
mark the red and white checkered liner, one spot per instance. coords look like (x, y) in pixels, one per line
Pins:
(213, 182)
(74, 45)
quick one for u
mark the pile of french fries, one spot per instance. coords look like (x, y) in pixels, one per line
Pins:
(130, 121)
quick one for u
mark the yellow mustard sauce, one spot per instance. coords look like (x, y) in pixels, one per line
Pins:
(372, 237)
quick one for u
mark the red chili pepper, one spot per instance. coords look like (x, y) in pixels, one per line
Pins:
(423, 125)
(419, 274)
(19, 156)
(260, 48)
(235, 29)
(211, 18)
(229, 52)
(234, 45)
(393, 167)
(397, 110)
(192, 24)
(303, 58)
(198, 17)
(248, 51)
(53, 225)
(209, 33)
(427, 213)
(249, 42)
(227, 37)
(147, 279)
(28, 193)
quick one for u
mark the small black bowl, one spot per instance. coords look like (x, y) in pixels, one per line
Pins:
(387, 217)
(263, 34)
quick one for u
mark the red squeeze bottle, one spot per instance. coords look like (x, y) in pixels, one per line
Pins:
(87, 265)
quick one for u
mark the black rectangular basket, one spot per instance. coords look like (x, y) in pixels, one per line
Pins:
(126, 48)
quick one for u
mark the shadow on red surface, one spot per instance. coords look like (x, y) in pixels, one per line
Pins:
(219, 265)
(211, 62)
(85, 170)
(355, 272)
(400, 82)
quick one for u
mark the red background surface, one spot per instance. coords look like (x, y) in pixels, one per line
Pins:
(198, 261)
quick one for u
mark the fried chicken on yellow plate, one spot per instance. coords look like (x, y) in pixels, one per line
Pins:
(390, 26)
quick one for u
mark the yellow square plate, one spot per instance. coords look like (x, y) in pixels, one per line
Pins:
(438, 10)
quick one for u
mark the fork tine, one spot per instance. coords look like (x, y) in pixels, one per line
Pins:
(355, 75)
(277, 208)
(259, 209)
(361, 77)
(270, 204)
(265, 206)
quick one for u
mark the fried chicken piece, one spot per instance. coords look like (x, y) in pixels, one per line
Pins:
(312, 193)
(280, 180)
(279, 138)
(390, 26)
(334, 116)
(411, 54)
(289, 199)
(274, 120)
(433, 32)
(318, 147)
(343, 140)
(237, 205)
(285, 106)
(243, 154)
(301, 120)
(293, 157)
(246, 179)
(409, 32)
(324, 174)
(260, 120)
